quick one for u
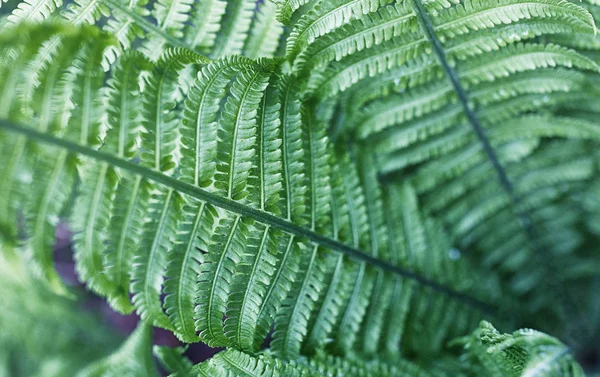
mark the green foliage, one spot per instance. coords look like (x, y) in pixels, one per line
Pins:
(133, 358)
(41, 333)
(524, 353)
(235, 363)
(327, 182)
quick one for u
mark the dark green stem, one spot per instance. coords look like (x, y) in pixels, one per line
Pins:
(241, 209)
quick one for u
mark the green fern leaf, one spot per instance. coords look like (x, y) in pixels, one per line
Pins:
(330, 191)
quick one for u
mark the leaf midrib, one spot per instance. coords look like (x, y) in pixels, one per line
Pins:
(251, 283)
(236, 128)
(186, 260)
(363, 32)
(493, 10)
(241, 209)
(300, 35)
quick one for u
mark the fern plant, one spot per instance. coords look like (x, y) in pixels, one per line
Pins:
(325, 187)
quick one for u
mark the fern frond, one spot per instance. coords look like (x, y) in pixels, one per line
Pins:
(85, 11)
(229, 362)
(378, 118)
(249, 290)
(125, 28)
(235, 28)
(34, 10)
(286, 8)
(216, 276)
(477, 15)
(172, 360)
(324, 17)
(336, 199)
(183, 267)
(47, 203)
(159, 120)
(150, 259)
(294, 176)
(154, 206)
(86, 114)
(103, 186)
(205, 23)
(352, 314)
(372, 29)
(524, 353)
(266, 32)
(402, 52)
(57, 94)
(42, 326)
(380, 299)
(292, 318)
(523, 57)
(171, 17)
(455, 25)
(236, 131)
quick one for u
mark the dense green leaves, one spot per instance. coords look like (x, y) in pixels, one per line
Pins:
(524, 353)
(40, 332)
(157, 218)
(330, 190)
(233, 363)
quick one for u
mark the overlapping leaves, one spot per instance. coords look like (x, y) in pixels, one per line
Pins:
(212, 206)
(210, 200)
